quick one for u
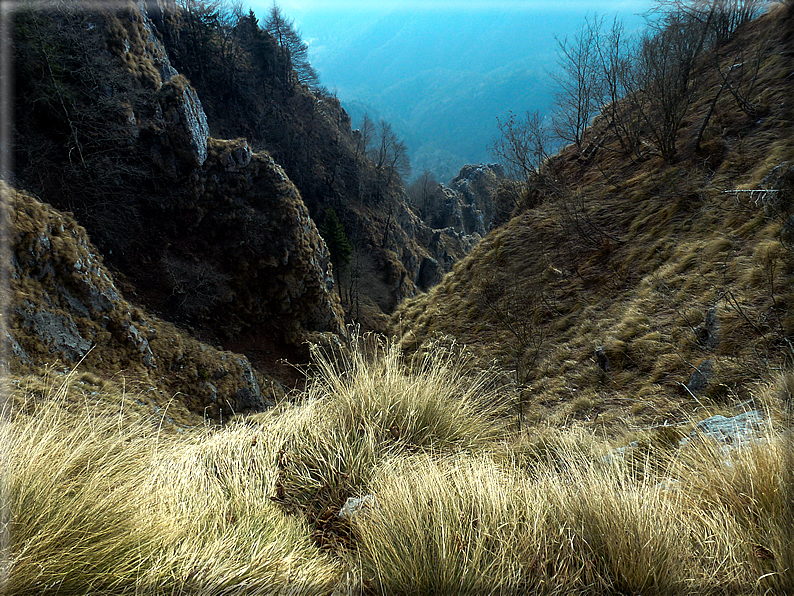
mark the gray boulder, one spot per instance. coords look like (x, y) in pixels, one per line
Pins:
(185, 121)
(355, 506)
(57, 330)
(430, 273)
(744, 428)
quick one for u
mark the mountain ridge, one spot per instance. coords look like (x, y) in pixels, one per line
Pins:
(214, 234)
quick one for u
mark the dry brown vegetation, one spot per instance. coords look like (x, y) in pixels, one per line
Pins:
(632, 256)
(99, 500)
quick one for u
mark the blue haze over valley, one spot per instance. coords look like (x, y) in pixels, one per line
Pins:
(442, 72)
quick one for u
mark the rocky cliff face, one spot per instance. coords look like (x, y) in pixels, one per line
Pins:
(425, 253)
(251, 255)
(212, 234)
(207, 233)
(467, 204)
(415, 252)
(64, 309)
(454, 219)
(308, 133)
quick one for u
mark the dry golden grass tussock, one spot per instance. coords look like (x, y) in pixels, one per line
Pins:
(742, 500)
(366, 405)
(431, 402)
(100, 503)
(446, 527)
(69, 485)
(568, 521)
(223, 534)
(470, 526)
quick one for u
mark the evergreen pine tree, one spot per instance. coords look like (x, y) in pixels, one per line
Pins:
(333, 232)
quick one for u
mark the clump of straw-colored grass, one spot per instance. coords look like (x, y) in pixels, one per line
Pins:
(223, 533)
(69, 489)
(367, 404)
(97, 504)
(489, 524)
(430, 403)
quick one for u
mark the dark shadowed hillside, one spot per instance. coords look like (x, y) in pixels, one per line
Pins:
(198, 155)
(207, 232)
(65, 311)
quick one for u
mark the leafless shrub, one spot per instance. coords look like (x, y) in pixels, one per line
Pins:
(196, 284)
(579, 83)
(522, 146)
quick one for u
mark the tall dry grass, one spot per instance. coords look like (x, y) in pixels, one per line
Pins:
(111, 504)
(713, 522)
(365, 405)
(101, 504)
(222, 532)
(71, 505)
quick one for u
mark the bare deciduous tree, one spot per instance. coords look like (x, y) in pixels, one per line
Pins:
(614, 50)
(522, 145)
(721, 18)
(364, 136)
(390, 156)
(577, 99)
(518, 313)
(647, 84)
(739, 76)
(420, 191)
(662, 81)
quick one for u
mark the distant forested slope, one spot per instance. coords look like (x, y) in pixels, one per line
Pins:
(442, 77)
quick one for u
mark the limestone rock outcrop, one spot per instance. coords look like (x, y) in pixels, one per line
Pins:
(467, 203)
(207, 233)
(64, 308)
(251, 256)
(454, 220)
(417, 255)
(185, 121)
(183, 113)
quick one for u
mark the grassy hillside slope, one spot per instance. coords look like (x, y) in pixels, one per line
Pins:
(666, 267)
(98, 502)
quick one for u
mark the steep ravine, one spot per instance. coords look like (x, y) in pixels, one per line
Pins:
(208, 234)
